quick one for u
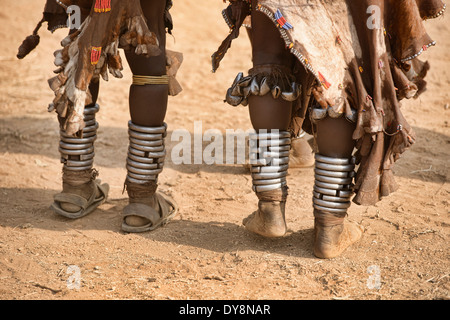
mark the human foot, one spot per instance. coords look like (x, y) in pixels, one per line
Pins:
(268, 220)
(147, 209)
(331, 240)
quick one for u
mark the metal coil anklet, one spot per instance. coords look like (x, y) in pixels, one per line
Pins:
(269, 159)
(333, 185)
(77, 154)
(146, 153)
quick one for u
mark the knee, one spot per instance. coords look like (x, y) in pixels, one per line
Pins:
(335, 137)
(267, 113)
(154, 13)
(146, 66)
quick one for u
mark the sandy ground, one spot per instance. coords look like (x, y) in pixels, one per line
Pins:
(205, 253)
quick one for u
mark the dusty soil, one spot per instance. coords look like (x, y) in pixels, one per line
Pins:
(205, 253)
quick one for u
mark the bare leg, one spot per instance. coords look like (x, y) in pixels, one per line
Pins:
(267, 113)
(77, 182)
(301, 154)
(148, 103)
(332, 236)
(85, 187)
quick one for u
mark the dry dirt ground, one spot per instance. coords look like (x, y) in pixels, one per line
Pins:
(205, 253)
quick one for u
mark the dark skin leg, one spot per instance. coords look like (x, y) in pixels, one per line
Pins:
(301, 153)
(148, 103)
(334, 139)
(267, 113)
(94, 88)
(84, 191)
(268, 48)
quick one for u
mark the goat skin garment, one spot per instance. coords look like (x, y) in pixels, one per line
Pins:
(92, 51)
(356, 59)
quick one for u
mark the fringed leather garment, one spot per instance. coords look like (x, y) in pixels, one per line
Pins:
(93, 50)
(357, 59)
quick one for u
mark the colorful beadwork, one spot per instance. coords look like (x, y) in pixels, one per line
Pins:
(61, 4)
(102, 5)
(96, 52)
(410, 140)
(228, 22)
(288, 41)
(324, 81)
(282, 21)
(437, 14)
(424, 48)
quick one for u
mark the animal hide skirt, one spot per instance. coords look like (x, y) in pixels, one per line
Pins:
(356, 59)
(91, 52)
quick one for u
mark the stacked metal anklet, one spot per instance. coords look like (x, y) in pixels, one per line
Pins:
(146, 153)
(77, 154)
(333, 187)
(269, 158)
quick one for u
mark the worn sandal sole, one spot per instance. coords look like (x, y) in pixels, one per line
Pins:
(167, 205)
(86, 206)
